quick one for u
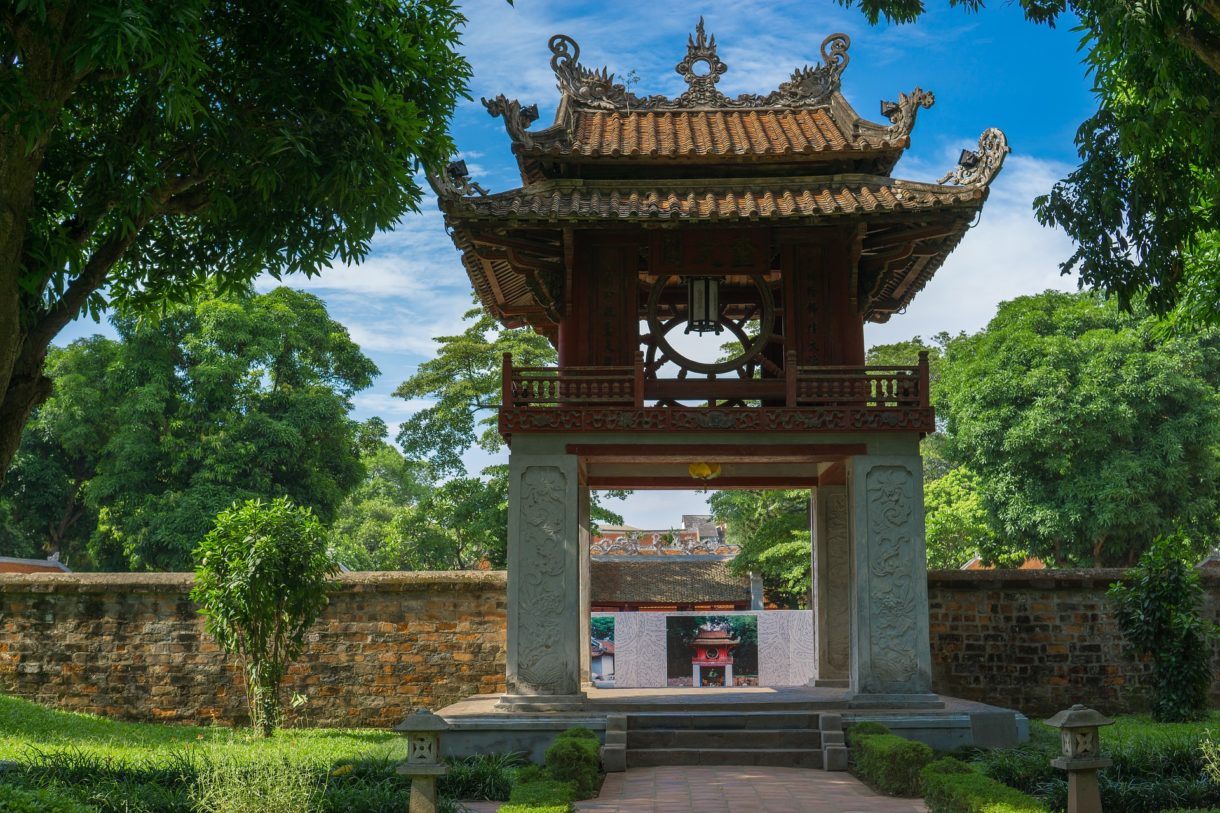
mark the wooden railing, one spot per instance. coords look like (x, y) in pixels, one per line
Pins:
(854, 386)
(573, 386)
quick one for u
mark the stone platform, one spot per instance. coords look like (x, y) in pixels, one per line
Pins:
(479, 725)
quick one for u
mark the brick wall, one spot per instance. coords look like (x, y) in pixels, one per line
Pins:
(1039, 641)
(132, 646)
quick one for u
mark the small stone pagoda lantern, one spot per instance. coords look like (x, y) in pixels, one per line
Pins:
(711, 649)
(423, 763)
(1081, 756)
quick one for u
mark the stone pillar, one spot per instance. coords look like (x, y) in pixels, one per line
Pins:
(586, 656)
(694, 676)
(728, 676)
(891, 663)
(757, 592)
(544, 598)
(832, 585)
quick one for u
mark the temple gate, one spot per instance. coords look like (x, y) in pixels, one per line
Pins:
(771, 221)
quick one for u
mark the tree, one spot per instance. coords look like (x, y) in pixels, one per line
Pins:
(464, 381)
(957, 524)
(1091, 430)
(1143, 207)
(261, 580)
(1157, 606)
(772, 528)
(234, 397)
(148, 150)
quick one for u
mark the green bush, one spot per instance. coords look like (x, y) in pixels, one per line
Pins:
(512, 808)
(575, 759)
(952, 786)
(578, 733)
(261, 582)
(855, 732)
(544, 792)
(42, 800)
(481, 776)
(890, 763)
(1157, 605)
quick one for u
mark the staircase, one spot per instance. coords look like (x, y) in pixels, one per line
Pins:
(792, 739)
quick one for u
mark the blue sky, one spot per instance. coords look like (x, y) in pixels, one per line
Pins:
(990, 69)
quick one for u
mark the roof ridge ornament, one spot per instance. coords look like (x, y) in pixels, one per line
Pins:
(701, 90)
(902, 112)
(979, 168)
(596, 88)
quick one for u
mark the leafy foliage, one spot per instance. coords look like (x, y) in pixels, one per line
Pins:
(1143, 207)
(149, 148)
(1064, 406)
(147, 438)
(261, 583)
(464, 381)
(889, 763)
(1157, 606)
(772, 528)
(952, 786)
(958, 527)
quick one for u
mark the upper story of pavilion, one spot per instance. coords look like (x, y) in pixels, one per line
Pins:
(771, 221)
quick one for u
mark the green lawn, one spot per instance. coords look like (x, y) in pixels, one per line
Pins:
(25, 726)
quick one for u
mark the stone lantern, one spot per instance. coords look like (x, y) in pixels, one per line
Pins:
(1080, 755)
(423, 763)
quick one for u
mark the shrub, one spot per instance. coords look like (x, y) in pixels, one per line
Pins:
(578, 733)
(41, 800)
(1157, 605)
(890, 763)
(482, 776)
(952, 786)
(575, 759)
(261, 581)
(855, 732)
(544, 792)
(511, 808)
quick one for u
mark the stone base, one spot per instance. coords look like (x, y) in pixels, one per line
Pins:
(830, 683)
(865, 700)
(542, 703)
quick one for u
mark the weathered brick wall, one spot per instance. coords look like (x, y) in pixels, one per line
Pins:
(1039, 640)
(132, 646)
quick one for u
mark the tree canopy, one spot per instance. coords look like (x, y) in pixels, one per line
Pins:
(147, 438)
(1092, 431)
(1143, 206)
(148, 150)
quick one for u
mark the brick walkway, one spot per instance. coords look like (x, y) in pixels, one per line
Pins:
(736, 790)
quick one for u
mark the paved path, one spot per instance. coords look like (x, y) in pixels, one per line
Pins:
(736, 790)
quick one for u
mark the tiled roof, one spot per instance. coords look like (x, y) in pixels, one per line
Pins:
(754, 134)
(680, 580)
(772, 199)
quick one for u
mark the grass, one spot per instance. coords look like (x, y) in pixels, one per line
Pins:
(1157, 766)
(26, 727)
(120, 767)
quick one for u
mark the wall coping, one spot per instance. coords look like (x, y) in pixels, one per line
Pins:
(375, 581)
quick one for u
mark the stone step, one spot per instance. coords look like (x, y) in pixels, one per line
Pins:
(747, 739)
(771, 757)
(766, 720)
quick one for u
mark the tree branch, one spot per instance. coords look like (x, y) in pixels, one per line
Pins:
(1202, 43)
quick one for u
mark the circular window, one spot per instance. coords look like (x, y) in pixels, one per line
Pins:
(711, 654)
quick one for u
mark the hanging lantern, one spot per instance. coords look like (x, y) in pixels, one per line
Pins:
(704, 471)
(703, 305)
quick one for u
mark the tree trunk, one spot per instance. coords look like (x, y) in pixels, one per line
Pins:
(266, 709)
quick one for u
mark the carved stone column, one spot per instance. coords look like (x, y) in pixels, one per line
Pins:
(544, 594)
(586, 656)
(891, 663)
(832, 585)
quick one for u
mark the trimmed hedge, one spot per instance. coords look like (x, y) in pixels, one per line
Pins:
(511, 808)
(575, 759)
(952, 786)
(889, 763)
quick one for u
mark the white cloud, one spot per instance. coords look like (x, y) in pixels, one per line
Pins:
(1008, 254)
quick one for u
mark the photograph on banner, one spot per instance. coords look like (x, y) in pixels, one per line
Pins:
(711, 650)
